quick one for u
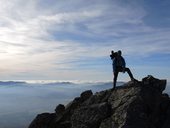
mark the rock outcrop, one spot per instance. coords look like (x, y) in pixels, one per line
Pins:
(139, 104)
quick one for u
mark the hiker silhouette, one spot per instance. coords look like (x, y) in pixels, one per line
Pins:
(119, 65)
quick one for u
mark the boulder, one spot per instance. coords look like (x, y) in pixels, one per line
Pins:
(86, 94)
(60, 109)
(43, 120)
(154, 82)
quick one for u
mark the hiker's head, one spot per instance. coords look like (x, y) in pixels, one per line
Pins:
(113, 54)
(119, 52)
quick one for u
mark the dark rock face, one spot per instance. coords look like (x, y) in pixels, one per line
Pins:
(90, 116)
(134, 105)
(85, 95)
(43, 120)
(60, 109)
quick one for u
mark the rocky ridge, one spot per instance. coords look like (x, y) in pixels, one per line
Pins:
(139, 104)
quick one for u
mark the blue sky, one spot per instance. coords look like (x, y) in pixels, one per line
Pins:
(72, 39)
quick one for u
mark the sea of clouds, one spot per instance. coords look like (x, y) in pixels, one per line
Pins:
(20, 102)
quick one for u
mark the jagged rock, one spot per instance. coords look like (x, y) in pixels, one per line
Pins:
(120, 102)
(60, 109)
(154, 82)
(43, 120)
(69, 110)
(90, 116)
(99, 97)
(107, 123)
(138, 104)
(86, 94)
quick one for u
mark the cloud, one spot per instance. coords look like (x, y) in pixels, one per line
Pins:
(49, 36)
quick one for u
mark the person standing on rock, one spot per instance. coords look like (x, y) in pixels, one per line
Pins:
(119, 65)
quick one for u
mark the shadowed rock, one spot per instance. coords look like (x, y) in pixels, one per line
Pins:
(60, 109)
(85, 95)
(139, 104)
(43, 120)
(90, 116)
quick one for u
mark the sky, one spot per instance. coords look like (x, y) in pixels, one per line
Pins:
(72, 39)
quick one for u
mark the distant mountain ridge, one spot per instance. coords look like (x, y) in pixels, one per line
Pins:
(55, 83)
(12, 82)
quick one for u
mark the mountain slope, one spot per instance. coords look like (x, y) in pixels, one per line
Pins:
(133, 105)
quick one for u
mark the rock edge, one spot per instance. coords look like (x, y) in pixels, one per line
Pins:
(133, 105)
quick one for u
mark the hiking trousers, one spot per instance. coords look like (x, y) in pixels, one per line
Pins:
(121, 69)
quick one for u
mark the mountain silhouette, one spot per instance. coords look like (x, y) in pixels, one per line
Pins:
(140, 104)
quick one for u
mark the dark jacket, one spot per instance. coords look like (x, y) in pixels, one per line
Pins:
(118, 62)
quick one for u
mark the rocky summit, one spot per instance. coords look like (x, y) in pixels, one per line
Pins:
(139, 104)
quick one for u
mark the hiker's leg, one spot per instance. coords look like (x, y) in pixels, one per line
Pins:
(115, 79)
(129, 72)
